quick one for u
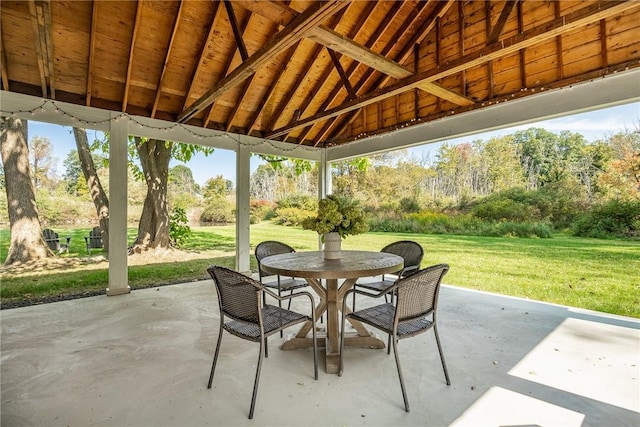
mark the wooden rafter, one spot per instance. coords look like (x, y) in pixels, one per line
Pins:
(271, 88)
(236, 30)
(165, 65)
(341, 72)
(373, 39)
(300, 77)
(348, 47)
(41, 19)
(543, 32)
(3, 66)
(127, 82)
(328, 69)
(243, 92)
(428, 25)
(92, 49)
(498, 28)
(230, 59)
(313, 16)
(215, 16)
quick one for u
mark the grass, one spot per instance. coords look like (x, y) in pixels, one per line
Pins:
(602, 275)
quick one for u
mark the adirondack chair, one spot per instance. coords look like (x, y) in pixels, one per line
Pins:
(53, 241)
(94, 239)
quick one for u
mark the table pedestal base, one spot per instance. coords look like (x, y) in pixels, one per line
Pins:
(333, 355)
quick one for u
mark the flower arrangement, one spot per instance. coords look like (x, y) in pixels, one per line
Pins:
(339, 214)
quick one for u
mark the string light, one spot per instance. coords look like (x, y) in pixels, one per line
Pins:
(166, 129)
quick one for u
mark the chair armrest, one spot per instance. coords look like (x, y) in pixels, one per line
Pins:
(412, 269)
(295, 295)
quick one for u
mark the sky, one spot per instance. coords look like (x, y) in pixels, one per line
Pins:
(594, 125)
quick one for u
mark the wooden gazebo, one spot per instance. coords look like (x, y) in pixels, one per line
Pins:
(320, 80)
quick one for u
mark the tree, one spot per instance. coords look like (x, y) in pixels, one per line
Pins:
(182, 189)
(154, 155)
(622, 175)
(42, 161)
(72, 173)
(216, 187)
(98, 195)
(27, 243)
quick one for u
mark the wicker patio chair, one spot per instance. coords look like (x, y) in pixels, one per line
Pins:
(412, 254)
(413, 314)
(239, 300)
(275, 281)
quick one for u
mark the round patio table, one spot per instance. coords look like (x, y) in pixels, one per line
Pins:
(313, 267)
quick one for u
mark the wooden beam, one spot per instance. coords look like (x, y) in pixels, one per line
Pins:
(3, 66)
(196, 72)
(271, 88)
(236, 30)
(423, 30)
(502, 20)
(40, 46)
(301, 75)
(339, 43)
(441, 8)
(134, 37)
(92, 50)
(321, 81)
(603, 44)
(546, 31)
(227, 66)
(373, 39)
(313, 16)
(160, 84)
(343, 75)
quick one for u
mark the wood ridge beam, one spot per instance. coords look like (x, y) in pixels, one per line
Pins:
(313, 16)
(546, 31)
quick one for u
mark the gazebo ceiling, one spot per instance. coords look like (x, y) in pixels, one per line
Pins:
(309, 72)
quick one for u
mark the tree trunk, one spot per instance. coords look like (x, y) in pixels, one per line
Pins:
(98, 195)
(153, 230)
(27, 243)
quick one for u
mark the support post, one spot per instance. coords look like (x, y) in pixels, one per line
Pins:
(243, 179)
(118, 269)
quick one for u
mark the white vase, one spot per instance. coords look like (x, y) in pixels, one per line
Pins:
(332, 246)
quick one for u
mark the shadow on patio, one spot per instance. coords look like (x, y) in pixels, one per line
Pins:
(143, 359)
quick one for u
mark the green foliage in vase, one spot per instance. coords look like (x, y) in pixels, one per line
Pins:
(339, 214)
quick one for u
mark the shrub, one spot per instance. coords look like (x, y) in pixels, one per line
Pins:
(409, 205)
(299, 201)
(217, 210)
(260, 210)
(291, 216)
(179, 231)
(615, 218)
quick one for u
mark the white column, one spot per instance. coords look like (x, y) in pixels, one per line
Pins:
(325, 186)
(118, 281)
(243, 178)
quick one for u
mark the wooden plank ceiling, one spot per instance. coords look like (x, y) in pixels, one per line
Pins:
(309, 72)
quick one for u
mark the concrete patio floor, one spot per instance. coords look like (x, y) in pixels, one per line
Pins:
(143, 359)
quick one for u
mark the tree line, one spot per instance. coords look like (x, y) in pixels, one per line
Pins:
(564, 165)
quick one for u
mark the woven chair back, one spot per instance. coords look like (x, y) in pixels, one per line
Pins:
(238, 295)
(410, 251)
(417, 295)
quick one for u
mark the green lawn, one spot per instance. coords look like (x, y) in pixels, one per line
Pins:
(601, 275)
